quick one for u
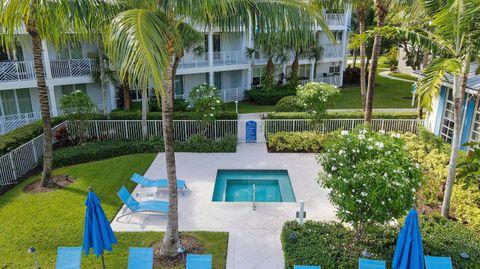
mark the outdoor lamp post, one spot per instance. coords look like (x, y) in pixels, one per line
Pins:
(236, 107)
(32, 250)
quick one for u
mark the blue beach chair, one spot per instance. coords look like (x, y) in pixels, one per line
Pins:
(158, 183)
(434, 262)
(307, 267)
(141, 207)
(371, 264)
(199, 261)
(140, 258)
(69, 258)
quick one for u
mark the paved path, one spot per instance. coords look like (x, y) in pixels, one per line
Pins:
(254, 236)
(386, 74)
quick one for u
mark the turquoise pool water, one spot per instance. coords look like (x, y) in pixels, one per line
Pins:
(237, 186)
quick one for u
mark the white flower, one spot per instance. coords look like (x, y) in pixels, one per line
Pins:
(382, 131)
(417, 165)
(341, 152)
(78, 91)
(363, 193)
(379, 145)
(369, 147)
(344, 133)
(211, 115)
(363, 131)
(218, 101)
(395, 135)
(334, 168)
(383, 203)
(361, 137)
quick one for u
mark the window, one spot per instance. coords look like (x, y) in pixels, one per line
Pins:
(446, 131)
(304, 71)
(71, 51)
(257, 74)
(9, 103)
(15, 54)
(15, 102)
(68, 89)
(334, 68)
(179, 85)
(475, 137)
(217, 80)
(24, 102)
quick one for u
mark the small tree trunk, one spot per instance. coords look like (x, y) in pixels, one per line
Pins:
(101, 60)
(126, 96)
(381, 11)
(361, 11)
(459, 86)
(144, 113)
(174, 74)
(354, 58)
(268, 81)
(171, 239)
(44, 104)
(293, 82)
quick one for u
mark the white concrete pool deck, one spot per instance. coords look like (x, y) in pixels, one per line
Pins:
(254, 236)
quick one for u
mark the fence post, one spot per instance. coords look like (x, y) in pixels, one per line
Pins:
(185, 129)
(215, 129)
(126, 129)
(34, 151)
(2, 126)
(383, 125)
(294, 124)
(13, 165)
(96, 130)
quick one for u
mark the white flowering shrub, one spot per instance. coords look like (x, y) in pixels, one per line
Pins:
(315, 97)
(206, 101)
(371, 177)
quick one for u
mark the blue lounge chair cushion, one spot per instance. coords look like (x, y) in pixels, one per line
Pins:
(135, 206)
(306, 267)
(199, 261)
(159, 183)
(69, 258)
(371, 264)
(140, 258)
(433, 262)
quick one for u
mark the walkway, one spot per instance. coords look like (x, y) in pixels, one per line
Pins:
(254, 236)
(386, 74)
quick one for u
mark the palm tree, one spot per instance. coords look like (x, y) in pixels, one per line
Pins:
(450, 39)
(51, 21)
(144, 41)
(362, 7)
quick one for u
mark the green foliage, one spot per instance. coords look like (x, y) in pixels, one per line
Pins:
(289, 104)
(178, 105)
(260, 97)
(205, 101)
(332, 245)
(137, 115)
(315, 97)
(109, 149)
(466, 205)
(22, 135)
(295, 142)
(371, 176)
(77, 105)
(469, 168)
(343, 115)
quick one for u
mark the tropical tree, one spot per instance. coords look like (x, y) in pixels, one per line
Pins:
(143, 42)
(453, 41)
(50, 21)
(361, 11)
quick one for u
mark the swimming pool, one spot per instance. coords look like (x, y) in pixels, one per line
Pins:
(238, 186)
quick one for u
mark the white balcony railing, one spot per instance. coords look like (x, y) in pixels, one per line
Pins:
(12, 122)
(72, 68)
(16, 71)
(332, 51)
(193, 61)
(335, 18)
(229, 58)
(333, 80)
(233, 94)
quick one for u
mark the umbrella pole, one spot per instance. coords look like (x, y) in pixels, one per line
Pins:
(103, 261)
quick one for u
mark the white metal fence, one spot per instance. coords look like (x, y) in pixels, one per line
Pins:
(333, 80)
(335, 18)
(12, 122)
(16, 71)
(332, 51)
(72, 68)
(21, 160)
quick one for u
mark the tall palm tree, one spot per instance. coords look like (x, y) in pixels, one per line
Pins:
(451, 41)
(144, 42)
(362, 8)
(51, 21)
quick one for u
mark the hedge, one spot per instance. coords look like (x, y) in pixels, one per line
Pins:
(343, 115)
(295, 142)
(333, 245)
(289, 104)
(108, 149)
(137, 115)
(261, 97)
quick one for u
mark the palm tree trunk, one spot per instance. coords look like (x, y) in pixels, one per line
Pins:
(459, 86)
(382, 11)
(144, 113)
(354, 58)
(103, 85)
(294, 75)
(171, 240)
(174, 74)
(361, 13)
(268, 82)
(44, 104)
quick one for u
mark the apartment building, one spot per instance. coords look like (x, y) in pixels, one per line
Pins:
(223, 64)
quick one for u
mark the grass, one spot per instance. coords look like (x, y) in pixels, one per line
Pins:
(49, 220)
(404, 76)
(245, 107)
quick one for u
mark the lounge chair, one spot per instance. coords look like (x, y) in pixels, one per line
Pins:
(199, 261)
(140, 258)
(141, 207)
(371, 264)
(69, 258)
(432, 262)
(157, 183)
(307, 267)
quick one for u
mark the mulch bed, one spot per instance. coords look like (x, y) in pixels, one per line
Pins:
(190, 244)
(60, 182)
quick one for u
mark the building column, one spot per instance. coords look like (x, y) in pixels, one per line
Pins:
(46, 60)
(312, 71)
(211, 78)
(249, 77)
(344, 51)
(53, 101)
(210, 48)
(113, 103)
(284, 71)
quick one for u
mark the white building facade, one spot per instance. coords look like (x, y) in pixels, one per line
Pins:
(223, 64)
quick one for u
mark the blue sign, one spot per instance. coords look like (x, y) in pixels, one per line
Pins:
(251, 132)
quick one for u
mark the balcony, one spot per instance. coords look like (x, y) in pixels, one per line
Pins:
(12, 122)
(220, 58)
(16, 71)
(333, 80)
(332, 51)
(335, 18)
(72, 68)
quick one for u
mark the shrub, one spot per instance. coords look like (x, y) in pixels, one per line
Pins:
(178, 105)
(295, 142)
(333, 245)
(109, 149)
(289, 104)
(315, 97)
(206, 101)
(260, 97)
(371, 176)
(137, 115)
(351, 75)
(343, 115)
(77, 105)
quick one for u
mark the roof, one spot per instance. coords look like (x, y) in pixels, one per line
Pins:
(473, 83)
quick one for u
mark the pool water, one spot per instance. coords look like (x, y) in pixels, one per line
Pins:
(238, 185)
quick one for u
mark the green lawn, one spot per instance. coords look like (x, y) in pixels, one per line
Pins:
(53, 219)
(388, 94)
(244, 107)
(404, 76)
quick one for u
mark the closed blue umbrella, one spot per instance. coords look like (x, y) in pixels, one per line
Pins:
(409, 250)
(97, 233)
